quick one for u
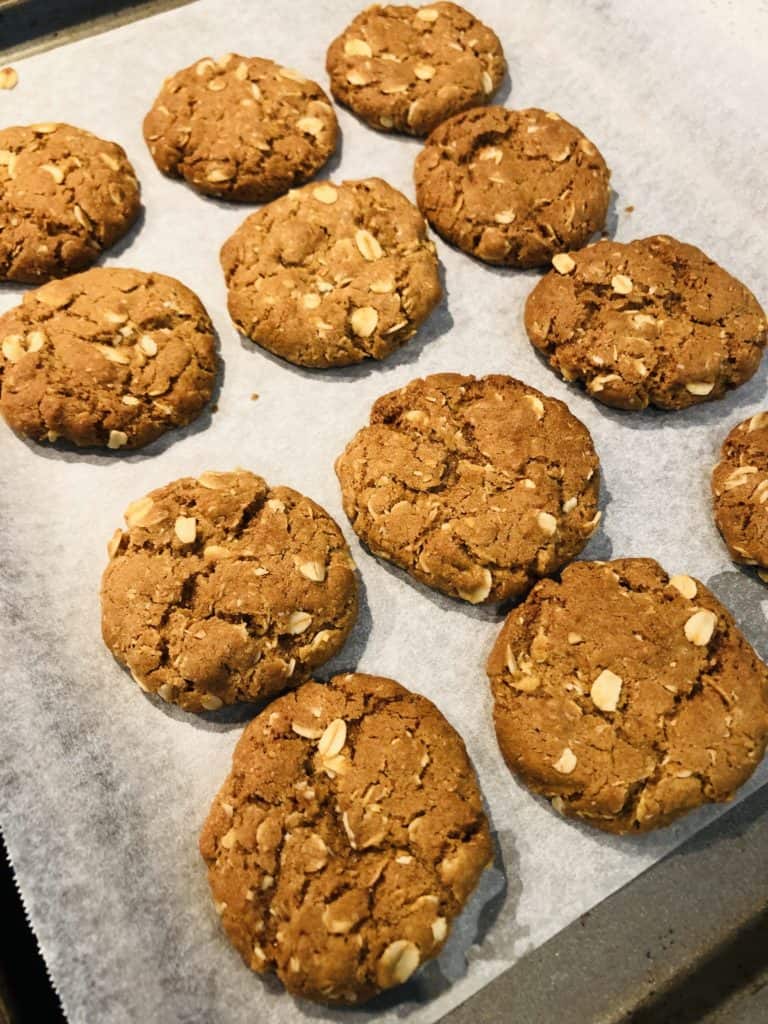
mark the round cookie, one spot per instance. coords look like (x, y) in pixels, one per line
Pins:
(110, 357)
(649, 322)
(475, 486)
(65, 196)
(240, 128)
(347, 837)
(332, 274)
(224, 589)
(512, 186)
(740, 492)
(406, 69)
(627, 697)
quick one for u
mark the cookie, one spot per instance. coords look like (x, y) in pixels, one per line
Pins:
(649, 322)
(475, 486)
(240, 128)
(110, 357)
(406, 69)
(626, 696)
(224, 589)
(740, 492)
(512, 186)
(65, 196)
(347, 837)
(332, 274)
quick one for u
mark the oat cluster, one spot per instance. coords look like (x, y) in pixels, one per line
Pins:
(332, 274)
(626, 696)
(346, 838)
(406, 69)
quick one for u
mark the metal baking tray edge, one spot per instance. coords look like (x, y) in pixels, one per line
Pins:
(686, 942)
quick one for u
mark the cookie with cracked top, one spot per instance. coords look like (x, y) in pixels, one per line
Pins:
(330, 275)
(512, 187)
(740, 492)
(626, 696)
(110, 357)
(648, 322)
(406, 69)
(475, 486)
(241, 128)
(65, 196)
(223, 589)
(346, 839)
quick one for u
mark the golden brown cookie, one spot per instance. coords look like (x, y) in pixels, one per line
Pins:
(627, 697)
(224, 589)
(110, 357)
(406, 69)
(241, 128)
(511, 186)
(649, 322)
(740, 492)
(65, 196)
(474, 486)
(332, 274)
(347, 837)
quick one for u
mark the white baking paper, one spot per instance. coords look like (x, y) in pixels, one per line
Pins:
(103, 790)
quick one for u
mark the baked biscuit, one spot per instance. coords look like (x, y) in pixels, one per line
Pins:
(649, 322)
(111, 357)
(332, 274)
(626, 696)
(65, 196)
(406, 69)
(475, 486)
(347, 837)
(241, 128)
(224, 589)
(740, 491)
(512, 186)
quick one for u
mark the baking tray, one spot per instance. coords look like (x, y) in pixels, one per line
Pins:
(685, 941)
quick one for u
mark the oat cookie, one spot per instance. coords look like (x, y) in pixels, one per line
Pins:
(406, 69)
(740, 491)
(109, 357)
(474, 486)
(65, 195)
(224, 589)
(649, 322)
(512, 186)
(332, 274)
(240, 128)
(626, 696)
(347, 837)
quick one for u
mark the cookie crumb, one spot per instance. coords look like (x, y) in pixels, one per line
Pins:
(629, 209)
(9, 78)
(255, 396)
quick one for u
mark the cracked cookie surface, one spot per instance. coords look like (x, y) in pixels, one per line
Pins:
(223, 589)
(512, 187)
(649, 322)
(626, 696)
(740, 492)
(110, 357)
(330, 275)
(475, 486)
(347, 837)
(65, 195)
(406, 69)
(241, 128)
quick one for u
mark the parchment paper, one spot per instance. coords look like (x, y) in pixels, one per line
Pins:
(102, 790)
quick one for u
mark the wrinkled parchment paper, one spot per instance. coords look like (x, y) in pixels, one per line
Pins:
(103, 790)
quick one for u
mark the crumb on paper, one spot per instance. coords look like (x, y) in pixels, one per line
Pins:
(629, 209)
(9, 78)
(255, 396)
